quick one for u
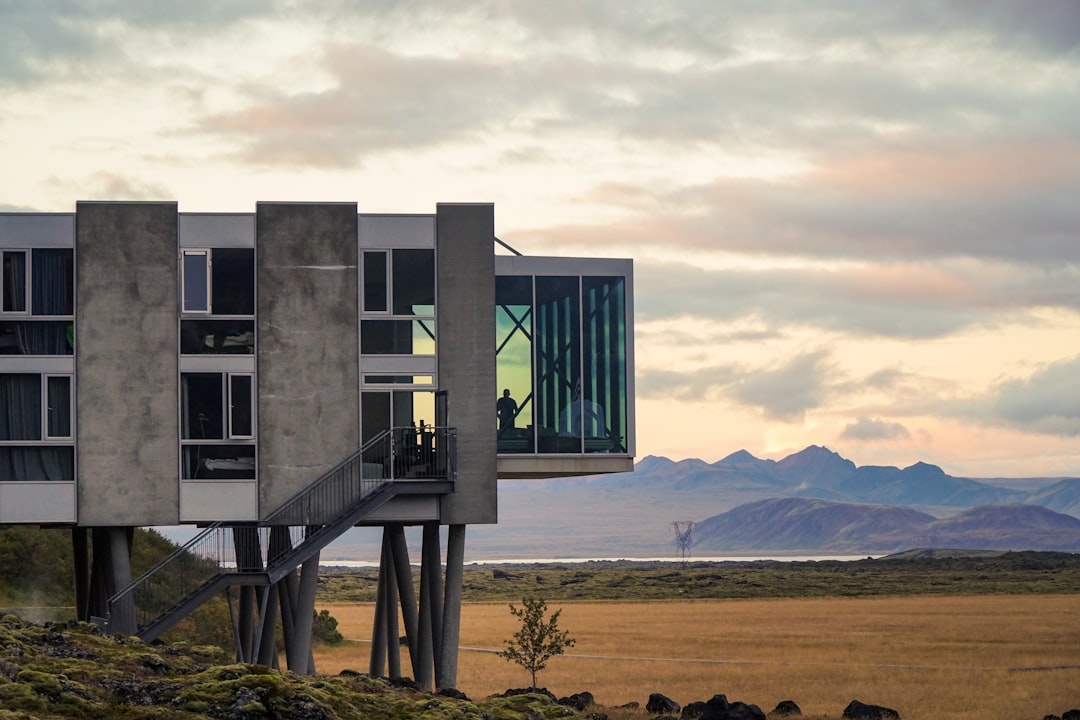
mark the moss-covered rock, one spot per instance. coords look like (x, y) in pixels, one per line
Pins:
(57, 672)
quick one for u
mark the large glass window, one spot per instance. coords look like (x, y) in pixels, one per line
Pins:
(48, 293)
(561, 364)
(414, 282)
(404, 295)
(513, 369)
(397, 337)
(216, 406)
(557, 342)
(603, 338)
(219, 285)
(217, 410)
(35, 412)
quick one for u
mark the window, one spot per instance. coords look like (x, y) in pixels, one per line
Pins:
(35, 413)
(217, 426)
(404, 295)
(219, 285)
(375, 284)
(196, 281)
(14, 281)
(216, 406)
(34, 284)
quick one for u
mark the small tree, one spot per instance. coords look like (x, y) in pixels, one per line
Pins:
(539, 638)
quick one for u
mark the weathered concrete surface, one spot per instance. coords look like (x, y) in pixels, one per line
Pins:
(126, 363)
(308, 370)
(465, 238)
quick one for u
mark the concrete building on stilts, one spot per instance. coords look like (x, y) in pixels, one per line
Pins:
(278, 377)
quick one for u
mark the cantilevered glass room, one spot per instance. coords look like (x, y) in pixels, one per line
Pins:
(564, 363)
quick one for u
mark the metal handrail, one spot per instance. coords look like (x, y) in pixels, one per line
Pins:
(394, 455)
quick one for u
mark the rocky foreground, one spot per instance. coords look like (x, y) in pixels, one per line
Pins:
(65, 671)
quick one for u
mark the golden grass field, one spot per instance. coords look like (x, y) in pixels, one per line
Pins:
(990, 657)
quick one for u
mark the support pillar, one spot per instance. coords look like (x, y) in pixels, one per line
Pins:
(122, 615)
(80, 555)
(446, 674)
(407, 595)
(377, 665)
(303, 616)
(393, 645)
(429, 630)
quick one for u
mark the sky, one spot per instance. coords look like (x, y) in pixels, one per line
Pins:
(853, 224)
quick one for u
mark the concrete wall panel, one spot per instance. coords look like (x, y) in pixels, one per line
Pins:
(307, 344)
(125, 362)
(465, 238)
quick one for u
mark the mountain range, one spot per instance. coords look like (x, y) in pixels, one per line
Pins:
(812, 502)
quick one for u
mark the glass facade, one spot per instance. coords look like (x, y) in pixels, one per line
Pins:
(561, 364)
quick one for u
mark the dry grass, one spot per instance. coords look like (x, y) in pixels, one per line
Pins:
(946, 658)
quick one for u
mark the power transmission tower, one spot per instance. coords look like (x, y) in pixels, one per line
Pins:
(683, 538)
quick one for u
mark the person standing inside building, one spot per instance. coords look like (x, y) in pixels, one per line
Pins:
(506, 410)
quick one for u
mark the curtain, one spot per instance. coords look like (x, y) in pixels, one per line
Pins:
(49, 288)
(20, 407)
(14, 281)
(37, 463)
(43, 338)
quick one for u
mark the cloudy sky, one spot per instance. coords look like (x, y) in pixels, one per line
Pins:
(854, 224)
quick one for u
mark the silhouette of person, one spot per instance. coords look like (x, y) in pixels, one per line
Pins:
(506, 409)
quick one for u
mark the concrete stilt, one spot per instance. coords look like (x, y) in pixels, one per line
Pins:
(100, 574)
(122, 614)
(80, 554)
(393, 646)
(377, 666)
(303, 616)
(267, 653)
(407, 595)
(451, 628)
(432, 589)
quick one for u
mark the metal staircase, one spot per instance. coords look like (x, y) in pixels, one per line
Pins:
(400, 461)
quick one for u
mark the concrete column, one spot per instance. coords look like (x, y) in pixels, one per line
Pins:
(451, 629)
(80, 554)
(393, 646)
(100, 574)
(430, 619)
(377, 666)
(403, 571)
(303, 616)
(122, 614)
(267, 654)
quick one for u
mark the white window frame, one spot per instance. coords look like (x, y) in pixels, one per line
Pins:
(207, 277)
(45, 407)
(228, 395)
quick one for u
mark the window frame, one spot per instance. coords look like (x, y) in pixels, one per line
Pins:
(207, 278)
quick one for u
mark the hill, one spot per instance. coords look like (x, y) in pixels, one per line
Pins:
(812, 524)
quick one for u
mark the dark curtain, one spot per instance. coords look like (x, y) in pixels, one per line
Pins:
(15, 281)
(37, 463)
(43, 338)
(49, 289)
(20, 407)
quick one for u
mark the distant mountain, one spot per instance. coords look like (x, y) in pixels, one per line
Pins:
(1062, 496)
(785, 524)
(805, 524)
(817, 472)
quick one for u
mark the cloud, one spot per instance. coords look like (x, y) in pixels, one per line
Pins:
(866, 428)
(787, 391)
(111, 186)
(1047, 402)
(40, 41)
(869, 300)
